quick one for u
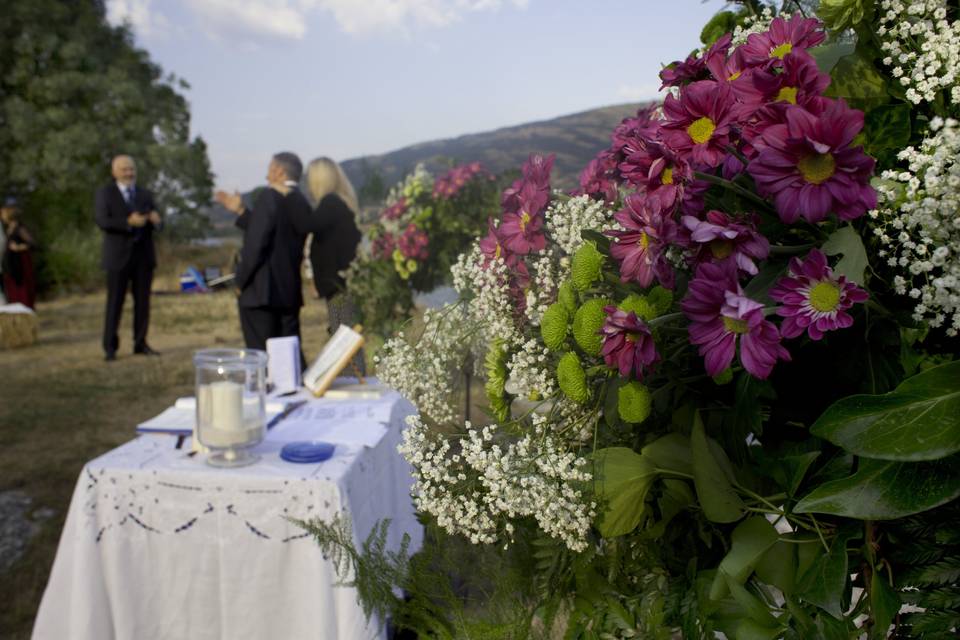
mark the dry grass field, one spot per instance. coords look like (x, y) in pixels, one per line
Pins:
(62, 405)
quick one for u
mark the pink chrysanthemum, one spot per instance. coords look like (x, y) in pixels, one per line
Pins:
(640, 247)
(698, 125)
(795, 80)
(720, 238)
(413, 243)
(660, 174)
(813, 299)
(809, 168)
(627, 343)
(694, 68)
(722, 316)
(783, 37)
(395, 210)
(599, 178)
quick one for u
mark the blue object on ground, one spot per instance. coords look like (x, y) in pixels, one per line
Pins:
(193, 280)
(306, 452)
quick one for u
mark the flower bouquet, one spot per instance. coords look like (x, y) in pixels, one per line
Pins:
(721, 376)
(416, 238)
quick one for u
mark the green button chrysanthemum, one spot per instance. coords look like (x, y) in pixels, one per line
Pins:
(640, 306)
(585, 268)
(572, 378)
(587, 323)
(555, 325)
(634, 402)
(661, 299)
(495, 365)
(567, 296)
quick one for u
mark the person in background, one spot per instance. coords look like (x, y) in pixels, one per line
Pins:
(19, 284)
(335, 240)
(268, 279)
(127, 215)
(3, 253)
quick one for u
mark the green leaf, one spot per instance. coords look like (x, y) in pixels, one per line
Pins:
(622, 480)
(847, 242)
(676, 496)
(749, 541)
(883, 490)
(671, 452)
(715, 492)
(839, 15)
(722, 22)
(886, 127)
(855, 78)
(919, 420)
(778, 566)
(824, 583)
(758, 612)
(828, 55)
(884, 604)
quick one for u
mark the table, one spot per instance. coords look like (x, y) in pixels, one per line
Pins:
(159, 545)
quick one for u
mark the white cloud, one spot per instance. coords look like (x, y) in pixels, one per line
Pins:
(639, 93)
(138, 14)
(288, 19)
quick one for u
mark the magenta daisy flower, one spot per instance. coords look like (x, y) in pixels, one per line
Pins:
(599, 178)
(531, 191)
(795, 80)
(627, 343)
(698, 124)
(783, 37)
(660, 174)
(721, 238)
(395, 210)
(413, 243)
(694, 67)
(809, 168)
(640, 247)
(721, 316)
(492, 248)
(813, 299)
(522, 232)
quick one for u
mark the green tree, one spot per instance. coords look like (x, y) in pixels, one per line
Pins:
(75, 91)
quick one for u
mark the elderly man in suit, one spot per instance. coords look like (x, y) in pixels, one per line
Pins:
(127, 215)
(274, 231)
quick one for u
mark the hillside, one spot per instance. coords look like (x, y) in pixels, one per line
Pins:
(574, 138)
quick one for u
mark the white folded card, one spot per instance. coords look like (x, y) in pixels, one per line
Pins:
(283, 363)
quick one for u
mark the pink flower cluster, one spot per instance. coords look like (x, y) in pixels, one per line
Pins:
(413, 243)
(383, 246)
(395, 210)
(521, 228)
(752, 112)
(449, 184)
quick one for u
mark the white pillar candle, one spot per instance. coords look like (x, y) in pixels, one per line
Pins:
(224, 425)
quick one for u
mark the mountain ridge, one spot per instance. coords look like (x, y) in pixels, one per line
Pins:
(574, 138)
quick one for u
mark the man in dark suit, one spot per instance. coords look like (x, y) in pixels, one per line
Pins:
(274, 231)
(128, 216)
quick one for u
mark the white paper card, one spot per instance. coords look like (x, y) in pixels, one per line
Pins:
(283, 363)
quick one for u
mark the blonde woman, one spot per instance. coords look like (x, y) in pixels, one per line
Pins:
(335, 239)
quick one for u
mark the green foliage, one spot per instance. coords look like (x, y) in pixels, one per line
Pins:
(622, 479)
(567, 296)
(587, 322)
(72, 260)
(839, 15)
(555, 325)
(572, 378)
(847, 242)
(919, 420)
(721, 23)
(74, 92)
(713, 478)
(882, 490)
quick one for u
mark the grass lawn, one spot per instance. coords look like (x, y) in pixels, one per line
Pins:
(62, 405)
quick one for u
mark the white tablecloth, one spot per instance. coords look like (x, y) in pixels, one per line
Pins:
(159, 545)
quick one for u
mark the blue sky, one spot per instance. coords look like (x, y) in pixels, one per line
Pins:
(351, 77)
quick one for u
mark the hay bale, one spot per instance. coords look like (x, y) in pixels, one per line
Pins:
(18, 326)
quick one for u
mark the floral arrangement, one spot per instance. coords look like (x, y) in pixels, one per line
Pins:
(722, 376)
(418, 234)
